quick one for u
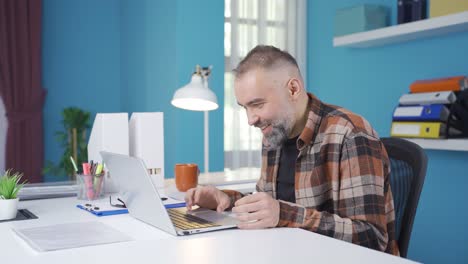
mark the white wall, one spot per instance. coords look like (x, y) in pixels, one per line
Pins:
(3, 131)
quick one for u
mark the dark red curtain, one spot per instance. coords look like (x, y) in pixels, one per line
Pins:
(20, 85)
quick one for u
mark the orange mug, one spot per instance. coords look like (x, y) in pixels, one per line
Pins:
(186, 176)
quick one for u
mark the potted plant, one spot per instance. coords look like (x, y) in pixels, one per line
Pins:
(73, 140)
(9, 187)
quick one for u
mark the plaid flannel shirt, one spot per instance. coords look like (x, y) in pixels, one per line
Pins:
(342, 182)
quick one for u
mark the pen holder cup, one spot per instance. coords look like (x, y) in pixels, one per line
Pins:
(90, 186)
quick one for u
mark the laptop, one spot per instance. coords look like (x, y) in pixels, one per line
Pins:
(144, 202)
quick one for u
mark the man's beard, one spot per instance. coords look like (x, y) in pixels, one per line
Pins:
(279, 133)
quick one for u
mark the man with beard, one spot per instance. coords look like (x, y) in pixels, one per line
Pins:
(324, 168)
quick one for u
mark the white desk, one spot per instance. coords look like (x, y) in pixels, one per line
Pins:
(150, 245)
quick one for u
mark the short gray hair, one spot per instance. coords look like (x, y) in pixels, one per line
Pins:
(266, 57)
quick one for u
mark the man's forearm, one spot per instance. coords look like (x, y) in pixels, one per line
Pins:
(359, 232)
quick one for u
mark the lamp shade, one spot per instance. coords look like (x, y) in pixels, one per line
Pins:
(195, 96)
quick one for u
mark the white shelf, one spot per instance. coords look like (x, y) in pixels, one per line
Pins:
(441, 144)
(405, 32)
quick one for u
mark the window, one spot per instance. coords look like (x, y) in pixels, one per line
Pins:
(247, 23)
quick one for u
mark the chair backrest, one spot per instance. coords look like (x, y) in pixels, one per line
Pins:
(408, 170)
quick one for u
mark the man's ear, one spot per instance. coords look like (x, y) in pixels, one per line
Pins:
(294, 88)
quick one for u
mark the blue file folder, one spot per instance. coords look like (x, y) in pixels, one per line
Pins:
(434, 112)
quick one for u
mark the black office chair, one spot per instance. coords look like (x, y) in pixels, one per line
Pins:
(408, 170)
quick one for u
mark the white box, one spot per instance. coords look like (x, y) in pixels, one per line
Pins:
(109, 133)
(147, 143)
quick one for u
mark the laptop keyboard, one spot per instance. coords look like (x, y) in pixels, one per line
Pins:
(187, 221)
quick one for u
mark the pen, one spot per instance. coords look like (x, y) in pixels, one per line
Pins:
(74, 164)
(176, 205)
(93, 169)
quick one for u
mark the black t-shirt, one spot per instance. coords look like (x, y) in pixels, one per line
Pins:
(286, 172)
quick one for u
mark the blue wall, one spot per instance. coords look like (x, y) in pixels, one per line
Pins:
(369, 82)
(148, 66)
(200, 40)
(162, 41)
(130, 56)
(80, 62)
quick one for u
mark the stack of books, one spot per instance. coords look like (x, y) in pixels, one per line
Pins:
(424, 112)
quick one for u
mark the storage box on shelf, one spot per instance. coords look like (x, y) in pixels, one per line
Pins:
(360, 18)
(446, 7)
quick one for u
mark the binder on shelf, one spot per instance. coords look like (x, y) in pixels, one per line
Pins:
(404, 11)
(435, 112)
(427, 98)
(420, 129)
(411, 10)
(419, 10)
(456, 83)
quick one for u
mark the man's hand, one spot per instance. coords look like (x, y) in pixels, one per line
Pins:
(207, 197)
(256, 211)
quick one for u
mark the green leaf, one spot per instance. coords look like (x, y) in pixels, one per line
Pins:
(10, 184)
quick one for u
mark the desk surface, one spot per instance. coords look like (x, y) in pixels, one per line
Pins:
(228, 177)
(150, 245)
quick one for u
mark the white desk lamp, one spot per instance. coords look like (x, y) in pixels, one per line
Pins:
(196, 96)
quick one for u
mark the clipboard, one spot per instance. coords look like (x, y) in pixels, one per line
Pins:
(104, 209)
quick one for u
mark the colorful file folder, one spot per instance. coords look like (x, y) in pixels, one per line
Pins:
(435, 112)
(418, 129)
(456, 83)
(427, 98)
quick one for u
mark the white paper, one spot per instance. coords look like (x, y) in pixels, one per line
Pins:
(173, 193)
(173, 201)
(71, 235)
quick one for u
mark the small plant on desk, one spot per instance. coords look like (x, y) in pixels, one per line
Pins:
(9, 187)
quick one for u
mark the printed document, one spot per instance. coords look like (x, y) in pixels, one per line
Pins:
(70, 235)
